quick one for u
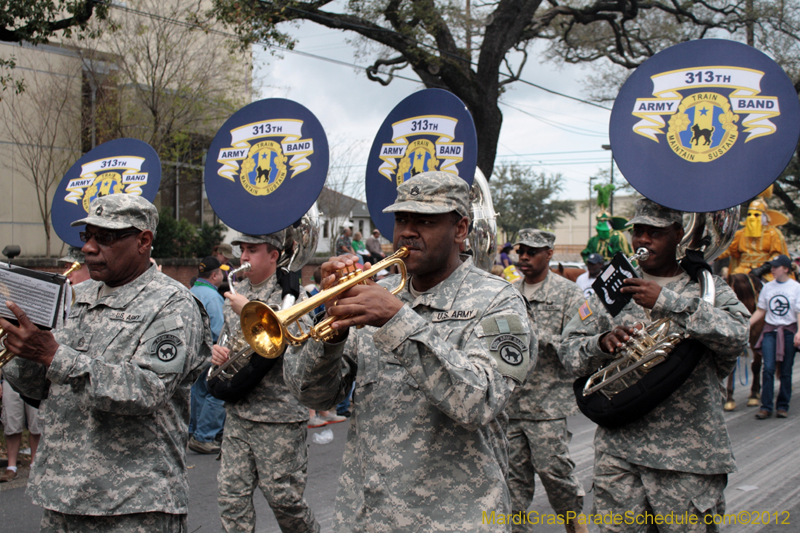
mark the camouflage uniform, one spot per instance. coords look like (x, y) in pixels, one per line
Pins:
(264, 443)
(426, 449)
(117, 401)
(677, 457)
(537, 432)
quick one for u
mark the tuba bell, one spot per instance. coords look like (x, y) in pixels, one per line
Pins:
(482, 238)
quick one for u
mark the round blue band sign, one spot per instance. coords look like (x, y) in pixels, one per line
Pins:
(429, 130)
(266, 166)
(705, 125)
(121, 166)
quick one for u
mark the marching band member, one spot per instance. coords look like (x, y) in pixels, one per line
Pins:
(537, 432)
(114, 382)
(264, 444)
(676, 459)
(434, 369)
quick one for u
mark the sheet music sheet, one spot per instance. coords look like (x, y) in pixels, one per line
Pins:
(38, 298)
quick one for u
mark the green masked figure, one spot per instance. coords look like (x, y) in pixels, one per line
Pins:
(610, 238)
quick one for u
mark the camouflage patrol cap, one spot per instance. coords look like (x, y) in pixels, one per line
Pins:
(536, 238)
(225, 249)
(275, 239)
(433, 192)
(74, 255)
(120, 211)
(652, 214)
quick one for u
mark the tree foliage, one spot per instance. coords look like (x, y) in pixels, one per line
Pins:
(476, 53)
(180, 238)
(524, 199)
(36, 21)
(160, 76)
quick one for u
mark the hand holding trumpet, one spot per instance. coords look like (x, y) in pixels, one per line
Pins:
(27, 340)
(368, 304)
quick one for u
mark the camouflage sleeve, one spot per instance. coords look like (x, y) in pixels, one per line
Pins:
(168, 350)
(724, 328)
(580, 351)
(468, 385)
(572, 296)
(318, 374)
(27, 377)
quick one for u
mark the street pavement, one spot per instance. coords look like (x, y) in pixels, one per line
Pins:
(767, 482)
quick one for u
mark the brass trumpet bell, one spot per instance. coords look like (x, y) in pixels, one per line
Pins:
(267, 331)
(263, 329)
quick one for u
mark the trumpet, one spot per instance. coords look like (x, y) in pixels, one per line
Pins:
(267, 331)
(5, 355)
(244, 267)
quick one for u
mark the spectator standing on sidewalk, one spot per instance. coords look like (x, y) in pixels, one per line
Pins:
(779, 301)
(16, 416)
(208, 413)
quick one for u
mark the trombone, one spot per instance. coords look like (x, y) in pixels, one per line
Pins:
(267, 331)
(5, 355)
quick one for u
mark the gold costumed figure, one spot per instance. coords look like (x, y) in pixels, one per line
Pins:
(759, 240)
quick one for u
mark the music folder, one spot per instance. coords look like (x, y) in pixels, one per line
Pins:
(39, 294)
(608, 284)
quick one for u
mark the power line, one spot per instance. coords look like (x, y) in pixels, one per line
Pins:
(335, 61)
(561, 126)
(552, 153)
(569, 129)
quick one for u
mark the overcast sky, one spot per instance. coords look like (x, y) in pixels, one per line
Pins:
(552, 133)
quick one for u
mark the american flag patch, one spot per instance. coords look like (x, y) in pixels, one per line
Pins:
(585, 311)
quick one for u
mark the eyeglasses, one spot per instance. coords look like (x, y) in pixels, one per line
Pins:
(107, 238)
(530, 252)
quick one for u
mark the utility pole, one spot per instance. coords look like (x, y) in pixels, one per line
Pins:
(611, 196)
(589, 206)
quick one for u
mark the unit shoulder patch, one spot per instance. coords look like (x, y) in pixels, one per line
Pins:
(507, 338)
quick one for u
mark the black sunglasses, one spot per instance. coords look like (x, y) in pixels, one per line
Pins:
(106, 238)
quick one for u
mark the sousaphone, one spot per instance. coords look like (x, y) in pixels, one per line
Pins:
(264, 172)
(701, 127)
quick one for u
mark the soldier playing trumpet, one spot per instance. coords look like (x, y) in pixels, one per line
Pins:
(434, 368)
